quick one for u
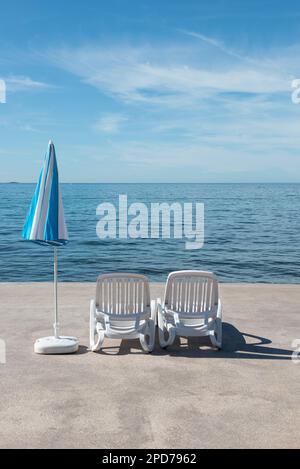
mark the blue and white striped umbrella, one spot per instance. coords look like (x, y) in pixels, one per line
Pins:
(45, 222)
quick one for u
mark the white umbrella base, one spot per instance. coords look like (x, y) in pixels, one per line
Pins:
(59, 345)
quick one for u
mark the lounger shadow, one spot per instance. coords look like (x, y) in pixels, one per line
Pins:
(234, 346)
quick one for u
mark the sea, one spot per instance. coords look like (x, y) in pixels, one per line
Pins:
(251, 234)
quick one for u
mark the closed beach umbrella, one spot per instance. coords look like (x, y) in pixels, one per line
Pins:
(45, 224)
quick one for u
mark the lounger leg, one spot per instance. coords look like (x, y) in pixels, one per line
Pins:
(216, 335)
(92, 324)
(94, 346)
(162, 330)
(97, 346)
(148, 346)
(150, 331)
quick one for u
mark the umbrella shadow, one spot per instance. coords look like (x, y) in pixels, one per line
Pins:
(82, 349)
(234, 346)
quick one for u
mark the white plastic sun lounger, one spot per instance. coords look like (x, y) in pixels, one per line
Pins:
(122, 310)
(191, 307)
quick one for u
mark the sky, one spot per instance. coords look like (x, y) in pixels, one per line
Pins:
(151, 91)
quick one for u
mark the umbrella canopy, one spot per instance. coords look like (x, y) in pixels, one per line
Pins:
(45, 222)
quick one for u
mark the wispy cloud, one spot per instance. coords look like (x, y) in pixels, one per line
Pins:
(28, 128)
(109, 124)
(169, 77)
(218, 44)
(23, 83)
(204, 161)
(183, 108)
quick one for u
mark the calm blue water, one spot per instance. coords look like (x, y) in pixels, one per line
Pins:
(252, 234)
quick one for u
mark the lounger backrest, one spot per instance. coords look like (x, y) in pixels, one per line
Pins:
(191, 291)
(122, 294)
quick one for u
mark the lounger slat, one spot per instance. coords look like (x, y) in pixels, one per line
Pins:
(122, 295)
(191, 294)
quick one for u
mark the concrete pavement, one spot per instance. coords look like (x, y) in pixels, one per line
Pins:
(189, 396)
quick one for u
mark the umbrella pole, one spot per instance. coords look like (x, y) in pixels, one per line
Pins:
(55, 325)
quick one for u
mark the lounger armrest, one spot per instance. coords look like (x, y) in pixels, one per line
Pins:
(220, 310)
(160, 308)
(153, 310)
(176, 319)
(92, 307)
(92, 323)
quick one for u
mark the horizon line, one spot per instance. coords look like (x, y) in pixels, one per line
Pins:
(160, 182)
